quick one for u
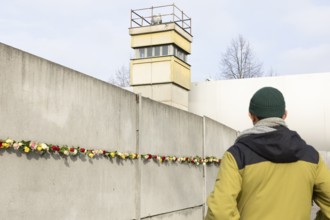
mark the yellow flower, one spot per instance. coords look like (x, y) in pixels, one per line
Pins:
(132, 156)
(5, 145)
(112, 154)
(39, 147)
(26, 149)
(90, 154)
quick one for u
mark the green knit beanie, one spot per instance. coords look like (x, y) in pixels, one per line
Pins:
(267, 102)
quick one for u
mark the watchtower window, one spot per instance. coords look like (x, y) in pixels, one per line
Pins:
(149, 51)
(158, 51)
(141, 53)
(180, 54)
(165, 50)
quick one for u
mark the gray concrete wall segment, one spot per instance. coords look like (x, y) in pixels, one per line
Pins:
(139, 162)
(205, 194)
(54, 188)
(170, 187)
(46, 102)
(218, 137)
(171, 132)
(49, 101)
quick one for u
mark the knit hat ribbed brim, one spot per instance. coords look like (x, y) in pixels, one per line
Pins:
(267, 102)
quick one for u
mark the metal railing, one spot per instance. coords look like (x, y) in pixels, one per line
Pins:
(160, 15)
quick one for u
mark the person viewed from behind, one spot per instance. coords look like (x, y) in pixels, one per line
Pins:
(270, 173)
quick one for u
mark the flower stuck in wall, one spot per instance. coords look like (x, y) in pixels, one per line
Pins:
(65, 151)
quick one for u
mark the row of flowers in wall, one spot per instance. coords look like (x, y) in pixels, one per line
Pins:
(43, 148)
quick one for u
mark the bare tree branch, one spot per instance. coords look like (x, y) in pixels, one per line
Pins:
(121, 77)
(239, 62)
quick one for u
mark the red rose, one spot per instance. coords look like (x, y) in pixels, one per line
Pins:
(149, 156)
(163, 158)
(104, 152)
(155, 156)
(82, 150)
(55, 148)
(71, 149)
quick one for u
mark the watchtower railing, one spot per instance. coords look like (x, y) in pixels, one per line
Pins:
(160, 15)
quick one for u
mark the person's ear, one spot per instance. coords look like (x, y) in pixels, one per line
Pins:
(285, 115)
(253, 118)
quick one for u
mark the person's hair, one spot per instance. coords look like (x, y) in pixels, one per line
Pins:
(260, 118)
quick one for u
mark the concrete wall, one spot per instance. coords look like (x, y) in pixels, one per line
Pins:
(169, 131)
(46, 102)
(307, 101)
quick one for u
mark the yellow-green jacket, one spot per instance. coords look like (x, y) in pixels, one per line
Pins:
(270, 176)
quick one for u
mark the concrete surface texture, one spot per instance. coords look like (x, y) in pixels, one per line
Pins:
(45, 102)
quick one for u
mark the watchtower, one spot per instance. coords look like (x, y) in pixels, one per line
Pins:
(161, 39)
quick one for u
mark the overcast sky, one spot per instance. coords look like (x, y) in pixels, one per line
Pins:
(91, 36)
